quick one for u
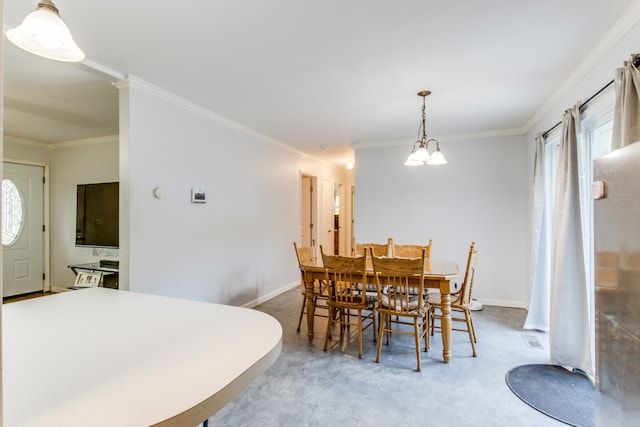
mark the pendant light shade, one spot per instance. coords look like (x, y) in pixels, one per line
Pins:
(420, 153)
(43, 33)
(437, 158)
(412, 161)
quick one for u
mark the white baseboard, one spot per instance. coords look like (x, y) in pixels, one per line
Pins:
(503, 303)
(267, 297)
(56, 289)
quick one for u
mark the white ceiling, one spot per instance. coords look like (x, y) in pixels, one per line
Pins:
(49, 101)
(311, 73)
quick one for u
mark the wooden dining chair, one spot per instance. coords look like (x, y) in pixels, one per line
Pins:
(344, 276)
(400, 286)
(379, 249)
(409, 251)
(460, 301)
(306, 254)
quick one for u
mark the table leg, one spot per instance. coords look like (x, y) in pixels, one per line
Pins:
(445, 323)
(310, 307)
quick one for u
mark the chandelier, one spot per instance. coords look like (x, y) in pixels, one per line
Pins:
(419, 153)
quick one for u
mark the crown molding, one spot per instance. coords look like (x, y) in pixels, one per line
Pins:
(87, 141)
(444, 138)
(140, 84)
(25, 141)
(480, 135)
(137, 83)
(104, 70)
(52, 146)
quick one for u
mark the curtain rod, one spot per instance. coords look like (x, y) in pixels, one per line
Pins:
(636, 63)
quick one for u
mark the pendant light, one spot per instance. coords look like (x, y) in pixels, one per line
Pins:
(419, 153)
(43, 33)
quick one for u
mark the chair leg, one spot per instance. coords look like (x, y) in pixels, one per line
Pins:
(425, 332)
(473, 328)
(302, 309)
(329, 321)
(373, 319)
(432, 315)
(348, 320)
(304, 302)
(359, 334)
(467, 316)
(416, 336)
(381, 323)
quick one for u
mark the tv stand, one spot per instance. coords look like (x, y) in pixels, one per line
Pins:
(109, 274)
(110, 263)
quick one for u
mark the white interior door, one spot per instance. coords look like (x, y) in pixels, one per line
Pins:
(307, 211)
(22, 228)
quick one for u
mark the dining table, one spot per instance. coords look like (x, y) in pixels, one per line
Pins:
(438, 274)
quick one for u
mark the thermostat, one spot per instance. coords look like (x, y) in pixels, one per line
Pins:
(198, 195)
(158, 192)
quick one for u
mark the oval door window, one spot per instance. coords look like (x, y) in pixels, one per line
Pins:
(12, 212)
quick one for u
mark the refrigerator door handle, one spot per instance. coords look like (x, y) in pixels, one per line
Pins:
(598, 190)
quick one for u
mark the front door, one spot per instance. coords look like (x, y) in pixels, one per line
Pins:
(22, 228)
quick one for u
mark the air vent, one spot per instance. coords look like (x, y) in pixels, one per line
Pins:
(532, 341)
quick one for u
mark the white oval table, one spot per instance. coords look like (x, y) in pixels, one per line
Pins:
(103, 357)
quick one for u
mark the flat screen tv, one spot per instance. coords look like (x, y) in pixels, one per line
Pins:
(97, 215)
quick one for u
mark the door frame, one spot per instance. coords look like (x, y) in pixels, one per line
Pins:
(46, 243)
(327, 205)
(343, 246)
(313, 201)
(352, 236)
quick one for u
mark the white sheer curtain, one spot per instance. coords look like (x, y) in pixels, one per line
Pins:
(570, 328)
(538, 313)
(626, 118)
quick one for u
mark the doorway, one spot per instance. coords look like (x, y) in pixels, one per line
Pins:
(331, 214)
(327, 217)
(24, 237)
(339, 240)
(308, 210)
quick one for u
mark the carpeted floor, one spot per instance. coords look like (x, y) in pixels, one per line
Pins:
(555, 391)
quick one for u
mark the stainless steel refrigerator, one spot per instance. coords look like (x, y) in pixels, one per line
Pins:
(616, 194)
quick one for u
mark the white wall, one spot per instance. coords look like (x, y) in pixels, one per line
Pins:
(181, 249)
(237, 248)
(21, 150)
(481, 196)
